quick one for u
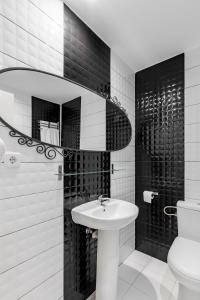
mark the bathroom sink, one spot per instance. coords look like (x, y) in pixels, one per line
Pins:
(108, 218)
(115, 215)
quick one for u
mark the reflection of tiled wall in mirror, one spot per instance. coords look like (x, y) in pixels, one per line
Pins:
(15, 109)
(123, 182)
(93, 123)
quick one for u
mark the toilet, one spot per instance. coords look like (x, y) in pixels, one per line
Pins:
(184, 254)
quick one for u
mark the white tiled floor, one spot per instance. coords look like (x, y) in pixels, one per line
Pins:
(142, 277)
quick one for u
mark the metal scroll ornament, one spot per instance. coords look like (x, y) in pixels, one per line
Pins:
(114, 100)
(118, 103)
(49, 151)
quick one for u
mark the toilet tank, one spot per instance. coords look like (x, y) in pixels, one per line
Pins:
(188, 214)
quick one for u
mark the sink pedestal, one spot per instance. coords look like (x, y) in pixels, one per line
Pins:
(108, 220)
(107, 264)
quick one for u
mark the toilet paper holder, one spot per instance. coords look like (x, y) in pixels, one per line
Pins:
(154, 194)
(148, 196)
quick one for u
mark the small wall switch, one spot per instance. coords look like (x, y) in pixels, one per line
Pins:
(12, 159)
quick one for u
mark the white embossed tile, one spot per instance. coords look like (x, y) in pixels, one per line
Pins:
(29, 178)
(25, 244)
(22, 279)
(52, 289)
(22, 212)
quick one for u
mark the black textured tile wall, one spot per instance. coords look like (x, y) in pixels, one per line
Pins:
(71, 123)
(79, 247)
(43, 111)
(118, 128)
(86, 56)
(159, 152)
(87, 62)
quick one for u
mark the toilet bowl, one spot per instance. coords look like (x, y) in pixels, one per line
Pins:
(184, 254)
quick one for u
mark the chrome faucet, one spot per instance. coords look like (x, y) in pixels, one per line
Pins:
(102, 200)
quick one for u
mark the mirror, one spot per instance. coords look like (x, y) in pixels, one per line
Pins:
(59, 112)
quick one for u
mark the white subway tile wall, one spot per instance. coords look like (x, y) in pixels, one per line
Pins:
(31, 197)
(123, 181)
(93, 124)
(192, 125)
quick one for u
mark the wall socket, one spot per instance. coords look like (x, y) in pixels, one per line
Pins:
(12, 159)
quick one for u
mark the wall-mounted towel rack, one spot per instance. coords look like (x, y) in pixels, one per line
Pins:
(48, 124)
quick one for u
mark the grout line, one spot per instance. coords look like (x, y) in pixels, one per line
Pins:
(42, 162)
(12, 233)
(198, 142)
(193, 123)
(190, 179)
(40, 284)
(59, 25)
(124, 177)
(193, 199)
(190, 105)
(191, 68)
(15, 59)
(191, 86)
(139, 274)
(38, 162)
(31, 34)
(25, 195)
(36, 255)
(192, 161)
(36, 224)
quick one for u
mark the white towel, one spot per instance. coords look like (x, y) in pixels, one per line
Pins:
(49, 135)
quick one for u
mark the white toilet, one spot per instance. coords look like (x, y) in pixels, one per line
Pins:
(184, 254)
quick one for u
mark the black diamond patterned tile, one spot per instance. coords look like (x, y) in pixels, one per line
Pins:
(79, 248)
(71, 123)
(87, 62)
(118, 129)
(159, 152)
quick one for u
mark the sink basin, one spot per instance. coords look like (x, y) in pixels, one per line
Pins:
(115, 215)
(108, 219)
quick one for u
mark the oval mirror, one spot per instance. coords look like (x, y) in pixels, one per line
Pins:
(59, 112)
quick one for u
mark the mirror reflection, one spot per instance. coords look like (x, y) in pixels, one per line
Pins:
(59, 112)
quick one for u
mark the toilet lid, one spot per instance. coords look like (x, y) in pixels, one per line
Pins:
(184, 257)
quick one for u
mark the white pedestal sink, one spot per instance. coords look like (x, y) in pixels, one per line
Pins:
(108, 220)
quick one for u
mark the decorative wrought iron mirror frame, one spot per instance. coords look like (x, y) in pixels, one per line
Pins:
(50, 151)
